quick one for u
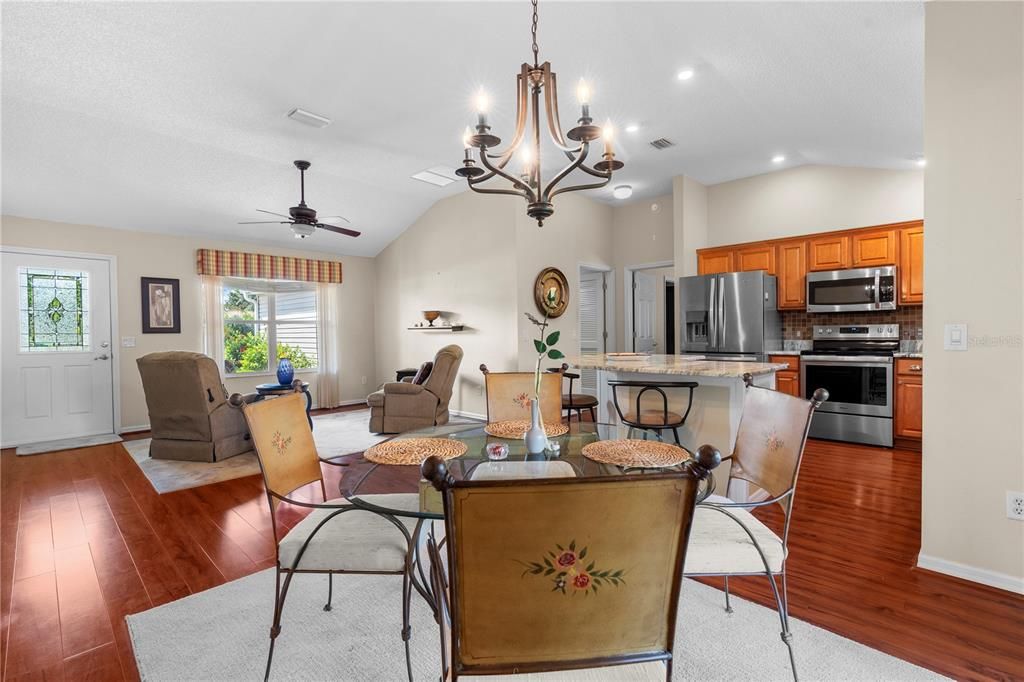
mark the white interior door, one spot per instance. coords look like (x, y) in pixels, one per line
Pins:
(55, 334)
(645, 311)
(593, 326)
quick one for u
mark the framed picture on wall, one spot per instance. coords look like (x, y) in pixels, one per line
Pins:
(161, 306)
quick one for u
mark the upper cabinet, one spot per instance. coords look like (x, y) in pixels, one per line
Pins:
(829, 252)
(791, 261)
(900, 244)
(714, 261)
(757, 257)
(911, 267)
(874, 248)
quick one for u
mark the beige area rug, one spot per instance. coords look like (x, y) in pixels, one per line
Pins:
(338, 433)
(222, 634)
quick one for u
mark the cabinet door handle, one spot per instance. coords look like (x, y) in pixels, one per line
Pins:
(915, 368)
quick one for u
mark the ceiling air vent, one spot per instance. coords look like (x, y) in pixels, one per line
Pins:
(662, 143)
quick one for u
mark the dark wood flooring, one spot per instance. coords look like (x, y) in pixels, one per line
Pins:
(85, 540)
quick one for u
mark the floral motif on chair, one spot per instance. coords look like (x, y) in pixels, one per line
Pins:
(280, 443)
(565, 567)
(522, 400)
(773, 441)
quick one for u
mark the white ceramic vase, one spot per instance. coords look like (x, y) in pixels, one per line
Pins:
(536, 439)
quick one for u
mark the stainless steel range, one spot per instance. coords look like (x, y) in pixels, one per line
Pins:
(854, 363)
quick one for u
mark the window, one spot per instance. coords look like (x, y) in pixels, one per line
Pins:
(53, 310)
(266, 321)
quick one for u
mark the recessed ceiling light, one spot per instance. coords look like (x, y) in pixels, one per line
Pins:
(632, 128)
(778, 158)
(921, 161)
(685, 74)
(309, 118)
(622, 192)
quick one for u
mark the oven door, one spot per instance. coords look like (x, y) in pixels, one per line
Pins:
(855, 386)
(843, 291)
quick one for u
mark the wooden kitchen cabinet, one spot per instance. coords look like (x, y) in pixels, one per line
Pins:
(830, 252)
(714, 261)
(758, 257)
(911, 266)
(787, 380)
(791, 266)
(871, 249)
(909, 389)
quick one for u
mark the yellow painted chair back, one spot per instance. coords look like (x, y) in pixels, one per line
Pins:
(509, 393)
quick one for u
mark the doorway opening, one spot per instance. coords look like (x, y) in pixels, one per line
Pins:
(594, 317)
(649, 312)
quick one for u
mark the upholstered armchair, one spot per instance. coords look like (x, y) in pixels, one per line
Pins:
(402, 406)
(189, 415)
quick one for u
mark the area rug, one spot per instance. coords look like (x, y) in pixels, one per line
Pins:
(337, 433)
(67, 444)
(222, 634)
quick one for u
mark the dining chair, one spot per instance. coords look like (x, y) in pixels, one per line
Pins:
(572, 400)
(562, 574)
(509, 393)
(727, 540)
(335, 537)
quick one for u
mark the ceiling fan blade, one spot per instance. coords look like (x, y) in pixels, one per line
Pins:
(277, 214)
(339, 230)
(266, 222)
(327, 217)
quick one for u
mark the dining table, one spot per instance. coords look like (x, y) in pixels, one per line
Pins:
(362, 478)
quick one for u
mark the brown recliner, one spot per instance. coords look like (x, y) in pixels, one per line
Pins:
(402, 406)
(189, 415)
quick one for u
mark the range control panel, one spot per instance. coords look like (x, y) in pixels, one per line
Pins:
(867, 332)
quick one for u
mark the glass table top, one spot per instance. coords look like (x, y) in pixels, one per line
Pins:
(361, 477)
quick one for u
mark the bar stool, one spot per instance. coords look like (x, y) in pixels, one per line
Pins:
(653, 420)
(575, 401)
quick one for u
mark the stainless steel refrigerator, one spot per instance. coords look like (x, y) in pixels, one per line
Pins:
(730, 316)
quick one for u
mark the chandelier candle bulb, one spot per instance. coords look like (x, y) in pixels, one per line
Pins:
(583, 95)
(608, 132)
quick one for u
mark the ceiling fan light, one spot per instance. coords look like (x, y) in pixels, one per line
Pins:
(301, 230)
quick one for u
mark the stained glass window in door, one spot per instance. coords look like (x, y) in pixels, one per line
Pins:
(53, 310)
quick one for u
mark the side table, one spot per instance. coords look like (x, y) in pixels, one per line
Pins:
(275, 390)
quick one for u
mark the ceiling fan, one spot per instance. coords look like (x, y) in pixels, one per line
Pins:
(302, 218)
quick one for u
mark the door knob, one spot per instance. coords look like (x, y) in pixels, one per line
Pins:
(104, 356)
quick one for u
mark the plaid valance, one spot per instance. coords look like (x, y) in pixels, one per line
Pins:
(262, 266)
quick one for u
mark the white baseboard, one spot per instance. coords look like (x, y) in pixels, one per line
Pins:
(977, 575)
(132, 429)
(353, 401)
(468, 415)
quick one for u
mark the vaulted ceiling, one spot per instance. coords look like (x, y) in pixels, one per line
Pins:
(170, 117)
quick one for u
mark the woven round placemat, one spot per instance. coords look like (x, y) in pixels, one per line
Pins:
(516, 428)
(414, 450)
(635, 453)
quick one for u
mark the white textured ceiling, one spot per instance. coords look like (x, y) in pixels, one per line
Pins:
(171, 117)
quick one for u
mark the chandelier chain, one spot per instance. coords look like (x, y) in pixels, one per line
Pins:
(533, 32)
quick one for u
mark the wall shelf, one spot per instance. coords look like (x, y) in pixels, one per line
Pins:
(439, 328)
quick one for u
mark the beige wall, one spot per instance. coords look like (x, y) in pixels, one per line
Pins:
(810, 199)
(145, 254)
(973, 402)
(690, 210)
(459, 257)
(639, 236)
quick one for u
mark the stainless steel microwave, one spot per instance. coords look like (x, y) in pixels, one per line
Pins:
(837, 291)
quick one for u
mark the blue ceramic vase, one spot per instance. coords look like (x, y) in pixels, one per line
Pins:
(285, 372)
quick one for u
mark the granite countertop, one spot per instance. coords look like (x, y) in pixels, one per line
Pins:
(909, 355)
(676, 365)
(782, 352)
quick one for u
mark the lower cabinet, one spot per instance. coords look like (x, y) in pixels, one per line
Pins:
(909, 377)
(787, 380)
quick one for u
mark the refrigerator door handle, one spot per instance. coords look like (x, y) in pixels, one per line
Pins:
(712, 316)
(721, 312)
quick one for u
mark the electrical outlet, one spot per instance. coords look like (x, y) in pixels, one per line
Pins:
(1014, 505)
(364, 381)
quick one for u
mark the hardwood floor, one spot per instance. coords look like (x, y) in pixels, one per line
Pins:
(86, 540)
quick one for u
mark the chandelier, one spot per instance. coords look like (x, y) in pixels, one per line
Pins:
(533, 82)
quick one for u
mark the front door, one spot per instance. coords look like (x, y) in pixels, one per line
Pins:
(56, 347)
(645, 311)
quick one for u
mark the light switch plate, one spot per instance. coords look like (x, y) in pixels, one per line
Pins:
(127, 342)
(954, 337)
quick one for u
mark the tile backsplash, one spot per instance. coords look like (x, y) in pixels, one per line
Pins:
(797, 324)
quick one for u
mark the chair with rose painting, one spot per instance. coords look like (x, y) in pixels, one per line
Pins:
(583, 576)
(509, 395)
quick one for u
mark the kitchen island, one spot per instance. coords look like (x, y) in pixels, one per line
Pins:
(717, 401)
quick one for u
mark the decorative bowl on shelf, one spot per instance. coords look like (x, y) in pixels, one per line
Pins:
(431, 315)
